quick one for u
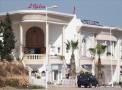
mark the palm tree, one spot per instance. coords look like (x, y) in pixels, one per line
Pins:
(99, 50)
(73, 45)
(93, 53)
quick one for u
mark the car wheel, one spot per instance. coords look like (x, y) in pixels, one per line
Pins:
(79, 85)
(85, 86)
(121, 85)
(90, 86)
(96, 85)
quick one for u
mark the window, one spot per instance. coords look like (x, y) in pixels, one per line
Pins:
(52, 48)
(43, 73)
(58, 49)
(84, 47)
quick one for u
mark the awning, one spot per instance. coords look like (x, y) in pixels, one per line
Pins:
(106, 37)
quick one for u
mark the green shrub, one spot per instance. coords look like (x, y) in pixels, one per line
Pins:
(2, 83)
(36, 87)
(12, 83)
(32, 87)
(38, 77)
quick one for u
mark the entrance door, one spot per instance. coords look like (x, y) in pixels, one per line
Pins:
(55, 75)
(35, 40)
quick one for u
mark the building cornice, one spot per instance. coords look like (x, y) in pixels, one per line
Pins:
(101, 27)
(38, 11)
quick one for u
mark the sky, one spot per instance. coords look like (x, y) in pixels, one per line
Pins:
(107, 12)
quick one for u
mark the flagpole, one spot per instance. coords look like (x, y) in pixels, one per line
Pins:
(74, 7)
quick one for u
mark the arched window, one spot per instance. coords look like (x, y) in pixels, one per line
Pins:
(35, 40)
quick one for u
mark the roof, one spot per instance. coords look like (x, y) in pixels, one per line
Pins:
(38, 11)
(39, 16)
(101, 27)
(97, 25)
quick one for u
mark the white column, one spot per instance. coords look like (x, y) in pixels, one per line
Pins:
(118, 61)
(63, 44)
(79, 50)
(105, 43)
(21, 42)
(116, 73)
(113, 49)
(63, 39)
(80, 45)
(93, 41)
(93, 59)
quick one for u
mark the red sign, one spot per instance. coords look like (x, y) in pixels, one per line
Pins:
(36, 6)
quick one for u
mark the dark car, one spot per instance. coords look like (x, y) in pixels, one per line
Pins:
(120, 83)
(86, 80)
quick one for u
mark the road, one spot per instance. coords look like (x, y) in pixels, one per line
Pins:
(76, 88)
(67, 88)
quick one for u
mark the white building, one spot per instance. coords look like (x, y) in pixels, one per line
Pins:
(32, 38)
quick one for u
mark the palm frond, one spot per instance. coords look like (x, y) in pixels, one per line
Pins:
(67, 45)
(74, 44)
(92, 51)
(100, 49)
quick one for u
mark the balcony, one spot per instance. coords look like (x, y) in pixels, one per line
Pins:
(40, 59)
(104, 60)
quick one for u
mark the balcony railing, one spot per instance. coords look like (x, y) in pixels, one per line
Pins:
(40, 59)
(34, 56)
(39, 56)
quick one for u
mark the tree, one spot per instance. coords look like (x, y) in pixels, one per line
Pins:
(93, 53)
(8, 38)
(99, 50)
(73, 45)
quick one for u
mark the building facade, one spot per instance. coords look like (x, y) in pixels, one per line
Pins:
(40, 44)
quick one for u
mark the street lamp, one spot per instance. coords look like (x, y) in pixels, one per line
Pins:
(47, 43)
(111, 60)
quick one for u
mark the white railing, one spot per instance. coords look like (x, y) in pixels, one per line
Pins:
(39, 56)
(34, 56)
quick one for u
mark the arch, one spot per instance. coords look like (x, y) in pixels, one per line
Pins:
(35, 40)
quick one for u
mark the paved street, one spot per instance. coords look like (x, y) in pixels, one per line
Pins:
(76, 88)
(67, 88)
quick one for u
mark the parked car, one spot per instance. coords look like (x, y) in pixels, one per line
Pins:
(87, 80)
(120, 82)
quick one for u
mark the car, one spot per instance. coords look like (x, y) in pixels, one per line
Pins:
(86, 80)
(120, 82)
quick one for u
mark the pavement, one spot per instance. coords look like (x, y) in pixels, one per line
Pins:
(74, 87)
(66, 87)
